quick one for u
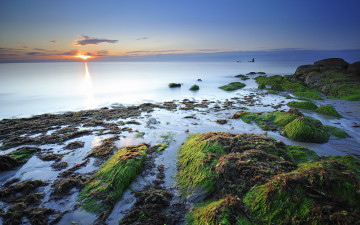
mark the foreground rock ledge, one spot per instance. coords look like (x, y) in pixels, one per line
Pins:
(252, 179)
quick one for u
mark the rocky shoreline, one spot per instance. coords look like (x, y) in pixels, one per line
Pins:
(227, 177)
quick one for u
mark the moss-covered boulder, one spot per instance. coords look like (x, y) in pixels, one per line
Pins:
(110, 182)
(232, 86)
(303, 105)
(253, 179)
(323, 192)
(328, 110)
(194, 87)
(306, 130)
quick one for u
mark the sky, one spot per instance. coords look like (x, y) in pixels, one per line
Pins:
(130, 29)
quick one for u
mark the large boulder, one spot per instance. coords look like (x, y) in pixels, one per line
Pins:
(332, 62)
(354, 68)
(305, 69)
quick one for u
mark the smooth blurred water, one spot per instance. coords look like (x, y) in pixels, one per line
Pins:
(33, 88)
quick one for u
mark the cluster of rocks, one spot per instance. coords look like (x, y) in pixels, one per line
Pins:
(328, 73)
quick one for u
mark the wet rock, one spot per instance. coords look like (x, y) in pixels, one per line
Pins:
(59, 165)
(173, 85)
(70, 171)
(8, 163)
(106, 148)
(75, 145)
(198, 195)
(63, 187)
(221, 121)
(149, 208)
(151, 121)
(51, 157)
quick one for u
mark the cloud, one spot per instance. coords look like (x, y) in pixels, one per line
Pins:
(155, 52)
(23, 44)
(37, 53)
(142, 38)
(54, 41)
(86, 40)
(39, 49)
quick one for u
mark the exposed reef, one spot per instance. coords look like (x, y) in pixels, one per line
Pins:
(251, 179)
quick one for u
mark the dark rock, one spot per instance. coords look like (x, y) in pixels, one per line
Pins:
(7, 162)
(332, 62)
(75, 145)
(305, 69)
(354, 68)
(172, 85)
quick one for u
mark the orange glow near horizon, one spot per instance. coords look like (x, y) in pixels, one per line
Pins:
(84, 57)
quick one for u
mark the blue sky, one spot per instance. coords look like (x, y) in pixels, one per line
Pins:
(138, 28)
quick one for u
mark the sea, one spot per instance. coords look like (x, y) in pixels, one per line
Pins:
(28, 89)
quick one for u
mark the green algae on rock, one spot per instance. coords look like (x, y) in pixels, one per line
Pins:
(294, 125)
(228, 166)
(110, 182)
(308, 195)
(306, 130)
(17, 157)
(104, 150)
(303, 105)
(194, 87)
(232, 86)
(328, 110)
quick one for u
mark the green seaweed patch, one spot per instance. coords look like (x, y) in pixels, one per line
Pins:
(337, 132)
(173, 85)
(300, 154)
(232, 86)
(194, 162)
(23, 154)
(272, 92)
(350, 161)
(110, 182)
(308, 195)
(306, 130)
(328, 110)
(223, 211)
(160, 147)
(309, 94)
(251, 73)
(140, 135)
(261, 73)
(303, 105)
(195, 87)
(261, 86)
(243, 77)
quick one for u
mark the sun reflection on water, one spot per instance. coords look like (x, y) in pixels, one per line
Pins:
(88, 89)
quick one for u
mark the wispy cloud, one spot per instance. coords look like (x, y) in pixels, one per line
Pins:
(142, 38)
(54, 41)
(39, 49)
(86, 40)
(156, 52)
(23, 44)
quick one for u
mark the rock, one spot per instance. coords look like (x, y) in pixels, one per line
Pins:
(198, 195)
(199, 80)
(172, 85)
(305, 69)
(151, 120)
(332, 62)
(354, 68)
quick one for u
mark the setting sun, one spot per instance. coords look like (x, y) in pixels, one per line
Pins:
(85, 57)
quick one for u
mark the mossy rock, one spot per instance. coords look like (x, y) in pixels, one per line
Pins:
(195, 87)
(224, 211)
(306, 130)
(173, 85)
(233, 86)
(328, 110)
(308, 195)
(337, 132)
(303, 105)
(110, 182)
(262, 86)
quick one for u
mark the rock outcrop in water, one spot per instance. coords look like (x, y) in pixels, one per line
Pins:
(333, 77)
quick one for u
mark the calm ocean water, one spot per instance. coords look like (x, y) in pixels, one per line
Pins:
(33, 88)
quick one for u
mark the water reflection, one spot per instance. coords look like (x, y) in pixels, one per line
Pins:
(88, 89)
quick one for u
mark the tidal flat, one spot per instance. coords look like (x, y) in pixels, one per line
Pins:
(189, 161)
